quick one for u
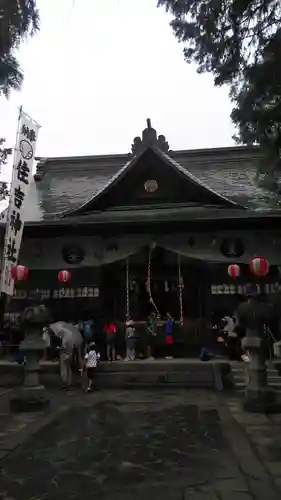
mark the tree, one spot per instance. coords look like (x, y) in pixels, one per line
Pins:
(239, 42)
(258, 108)
(18, 20)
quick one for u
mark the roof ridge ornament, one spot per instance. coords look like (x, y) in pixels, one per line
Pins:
(149, 138)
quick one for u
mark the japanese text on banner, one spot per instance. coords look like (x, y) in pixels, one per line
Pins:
(22, 177)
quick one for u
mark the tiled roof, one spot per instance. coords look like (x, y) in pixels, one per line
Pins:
(195, 179)
(68, 183)
(152, 154)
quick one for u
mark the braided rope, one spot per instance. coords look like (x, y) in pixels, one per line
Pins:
(127, 290)
(180, 289)
(149, 280)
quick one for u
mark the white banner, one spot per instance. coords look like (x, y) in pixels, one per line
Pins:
(21, 179)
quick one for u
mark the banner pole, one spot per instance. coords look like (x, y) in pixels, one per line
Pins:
(3, 296)
(24, 153)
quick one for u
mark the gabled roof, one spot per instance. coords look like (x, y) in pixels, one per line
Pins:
(63, 185)
(205, 195)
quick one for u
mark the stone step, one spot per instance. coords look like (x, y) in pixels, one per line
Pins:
(274, 379)
(241, 390)
(240, 369)
(270, 371)
(150, 373)
(239, 374)
(142, 379)
(270, 377)
(271, 384)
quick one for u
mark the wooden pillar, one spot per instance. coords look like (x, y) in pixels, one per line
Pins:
(206, 303)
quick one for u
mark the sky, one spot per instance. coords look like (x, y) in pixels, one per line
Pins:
(97, 69)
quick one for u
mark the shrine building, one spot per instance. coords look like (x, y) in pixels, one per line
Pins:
(151, 228)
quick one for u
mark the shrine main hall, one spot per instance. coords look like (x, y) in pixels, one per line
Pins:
(149, 228)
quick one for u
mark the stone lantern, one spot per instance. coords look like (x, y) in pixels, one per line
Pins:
(32, 395)
(254, 315)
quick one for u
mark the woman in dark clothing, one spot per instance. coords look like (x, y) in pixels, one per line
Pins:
(169, 337)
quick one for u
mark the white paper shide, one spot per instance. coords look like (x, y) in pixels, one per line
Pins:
(21, 179)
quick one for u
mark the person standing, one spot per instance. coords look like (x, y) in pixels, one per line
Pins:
(88, 330)
(66, 352)
(110, 336)
(47, 339)
(169, 337)
(231, 335)
(151, 335)
(91, 362)
(130, 341)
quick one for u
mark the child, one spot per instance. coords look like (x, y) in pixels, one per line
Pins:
(130, 341)
(91, 361)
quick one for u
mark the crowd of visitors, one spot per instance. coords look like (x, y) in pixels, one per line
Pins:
(114, 342)
(230, 330)
(106, 342)
(84, 355)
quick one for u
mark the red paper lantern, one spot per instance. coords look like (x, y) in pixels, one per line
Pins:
(19, 273)
(259, 266)
(64, 276)
(233, 270)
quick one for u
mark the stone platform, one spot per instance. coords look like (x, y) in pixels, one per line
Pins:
(185, 373)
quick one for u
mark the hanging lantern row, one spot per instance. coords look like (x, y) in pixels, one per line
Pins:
(20, 273)
(259, 266)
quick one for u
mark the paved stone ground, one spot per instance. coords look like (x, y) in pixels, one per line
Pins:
(264, 435)
(119, 445)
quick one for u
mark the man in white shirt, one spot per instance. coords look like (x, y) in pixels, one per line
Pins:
(91, 361)
(231, 340)
(229, 327)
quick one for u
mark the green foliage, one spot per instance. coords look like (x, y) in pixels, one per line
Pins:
(224, 37)
(11, 76)
(18, 20)
(258, 104)
(239, 42)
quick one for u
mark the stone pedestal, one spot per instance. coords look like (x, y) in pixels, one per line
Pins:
(32, 395)
(259, 398)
